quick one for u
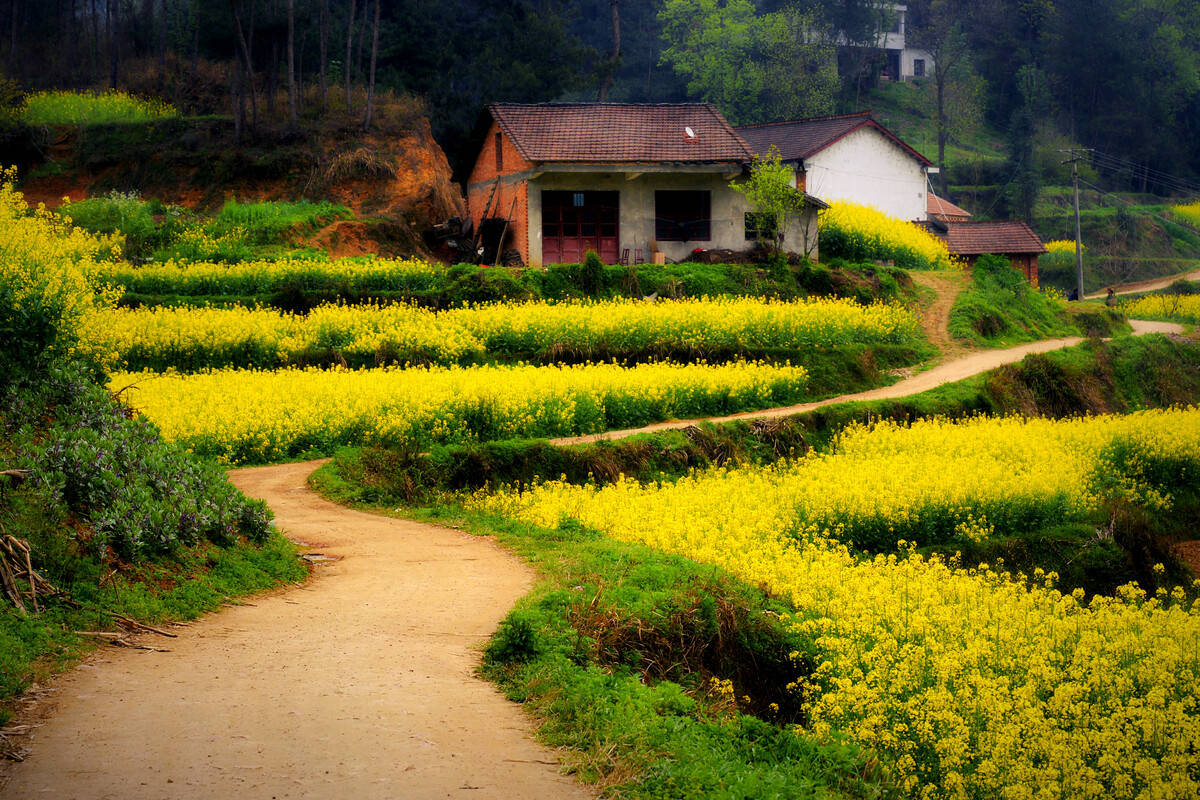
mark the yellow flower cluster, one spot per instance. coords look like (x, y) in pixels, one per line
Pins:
(91, 108)
(47, 270)
(253, 277)
(1176, 307)
(861, 233)
(158, 338)
(1189, 213)
(1062, 246)
(243, 416)
(969, 684)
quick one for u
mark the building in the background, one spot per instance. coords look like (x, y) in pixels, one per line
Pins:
(889, 39)
(850, 157)
(625, 180)
(1012, 239)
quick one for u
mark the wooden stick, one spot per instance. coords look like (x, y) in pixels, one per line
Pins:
(134, 623)
(32, 583)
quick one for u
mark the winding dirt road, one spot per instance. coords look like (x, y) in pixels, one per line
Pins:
(954, 370)
(357, 685)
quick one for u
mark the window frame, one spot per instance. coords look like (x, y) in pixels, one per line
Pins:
(680, 222)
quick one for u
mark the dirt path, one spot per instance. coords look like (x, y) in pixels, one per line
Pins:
(1146, 286)
(948, 372)
(936, 319)
(358, 685)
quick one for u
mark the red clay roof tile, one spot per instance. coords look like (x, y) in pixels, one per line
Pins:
(944, 208)
(798, 139)
(620, 133)
(999, 238)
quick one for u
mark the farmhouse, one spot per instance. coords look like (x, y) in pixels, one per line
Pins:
(850, 157)
(628, 181)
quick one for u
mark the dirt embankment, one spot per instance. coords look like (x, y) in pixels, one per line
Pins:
(360, 684)
(398, 183)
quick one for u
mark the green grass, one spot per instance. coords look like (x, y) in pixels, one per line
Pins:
(238, 232)
(614, 652)
(271, 222)
(1000, 309)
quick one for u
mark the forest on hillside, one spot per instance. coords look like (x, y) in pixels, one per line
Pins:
(1120, 76)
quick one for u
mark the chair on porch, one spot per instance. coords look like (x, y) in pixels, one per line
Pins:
(637, 256)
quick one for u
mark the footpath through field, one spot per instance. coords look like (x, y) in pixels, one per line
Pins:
(1146, 286)
(358, 685)
(954, 370)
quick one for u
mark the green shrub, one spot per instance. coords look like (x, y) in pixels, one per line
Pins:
(145, 224)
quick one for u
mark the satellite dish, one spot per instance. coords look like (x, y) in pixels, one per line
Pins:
(691, 134)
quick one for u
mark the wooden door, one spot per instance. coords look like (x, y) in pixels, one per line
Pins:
(575, 222)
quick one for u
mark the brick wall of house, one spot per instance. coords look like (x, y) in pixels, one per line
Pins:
(513, 170)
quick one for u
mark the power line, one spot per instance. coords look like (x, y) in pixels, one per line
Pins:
(1150, 175)
(1132, 204)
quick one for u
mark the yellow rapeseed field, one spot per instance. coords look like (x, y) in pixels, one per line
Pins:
(157, 338)
(969, 684)
(861, 233)
(1177, 307)
(249, 415)
(253, 277)
(1189, 213)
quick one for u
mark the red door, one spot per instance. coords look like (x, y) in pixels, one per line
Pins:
(575, 222)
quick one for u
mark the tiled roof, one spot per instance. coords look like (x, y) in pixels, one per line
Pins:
(801, 138)
(620, 133)
(999, 238)
(944, 208)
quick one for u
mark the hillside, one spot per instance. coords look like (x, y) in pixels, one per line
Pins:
(395, 179)
(1128, 236)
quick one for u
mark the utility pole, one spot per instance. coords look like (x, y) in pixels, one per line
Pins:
(1076, 155)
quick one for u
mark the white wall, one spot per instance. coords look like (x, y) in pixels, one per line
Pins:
(907, 68)
(870, 169)
(636, 222)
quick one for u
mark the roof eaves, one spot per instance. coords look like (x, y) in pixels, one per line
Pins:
(495, 110)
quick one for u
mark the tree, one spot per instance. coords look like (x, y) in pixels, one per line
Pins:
(349, 51)
(955, 83)
(775, 200)
(609, 70)
(374, 57)
(1025, 183)
(293, 92)
(753, 67)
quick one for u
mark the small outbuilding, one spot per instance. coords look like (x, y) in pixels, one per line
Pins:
(1012, 239)
(627, 180)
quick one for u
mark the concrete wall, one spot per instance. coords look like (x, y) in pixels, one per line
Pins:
(636, 230)
(870, 169)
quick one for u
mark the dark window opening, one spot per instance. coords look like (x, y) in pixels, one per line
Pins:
(683, 216)
(499, 153)
(918, 68)
(760, 227)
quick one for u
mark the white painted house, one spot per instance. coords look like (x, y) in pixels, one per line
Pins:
(850, 157)
(901, 62)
